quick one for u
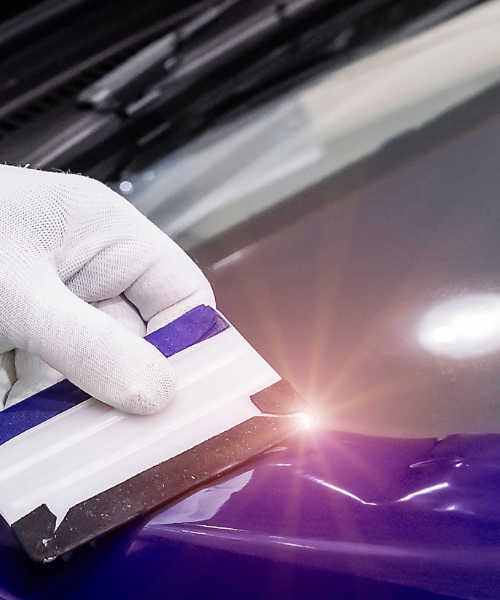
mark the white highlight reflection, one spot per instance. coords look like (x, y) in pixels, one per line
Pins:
(340, 490)
(433, 488)
(462, 327)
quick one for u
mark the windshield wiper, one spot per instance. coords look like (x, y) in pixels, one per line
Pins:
(225, 57)
(167, 68)
(139, 100)
(128, 81)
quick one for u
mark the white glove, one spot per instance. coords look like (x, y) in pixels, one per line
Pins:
(67, 242)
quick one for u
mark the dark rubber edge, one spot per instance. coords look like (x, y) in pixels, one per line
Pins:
(150, 489)
(280, 399)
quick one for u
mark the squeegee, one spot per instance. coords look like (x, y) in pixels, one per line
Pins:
(73, 468)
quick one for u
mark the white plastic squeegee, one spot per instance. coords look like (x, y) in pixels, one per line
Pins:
(79, 458)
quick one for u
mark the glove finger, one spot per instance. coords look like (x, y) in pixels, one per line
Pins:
(34, 375)
(111, 248)
(122, 311)
(170, 286)
(89, 347)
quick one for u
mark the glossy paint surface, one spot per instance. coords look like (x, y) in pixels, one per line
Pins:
(377, 292)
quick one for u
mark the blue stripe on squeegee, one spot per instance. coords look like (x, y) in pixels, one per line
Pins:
(199, 324)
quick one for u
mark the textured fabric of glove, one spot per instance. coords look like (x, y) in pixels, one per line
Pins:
(83, 276)
(200, 323)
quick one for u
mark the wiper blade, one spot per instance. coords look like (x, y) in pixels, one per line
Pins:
(201, 62)
(126, 82)
(122, 84)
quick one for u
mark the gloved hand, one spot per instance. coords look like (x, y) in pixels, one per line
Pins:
(83, 276)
